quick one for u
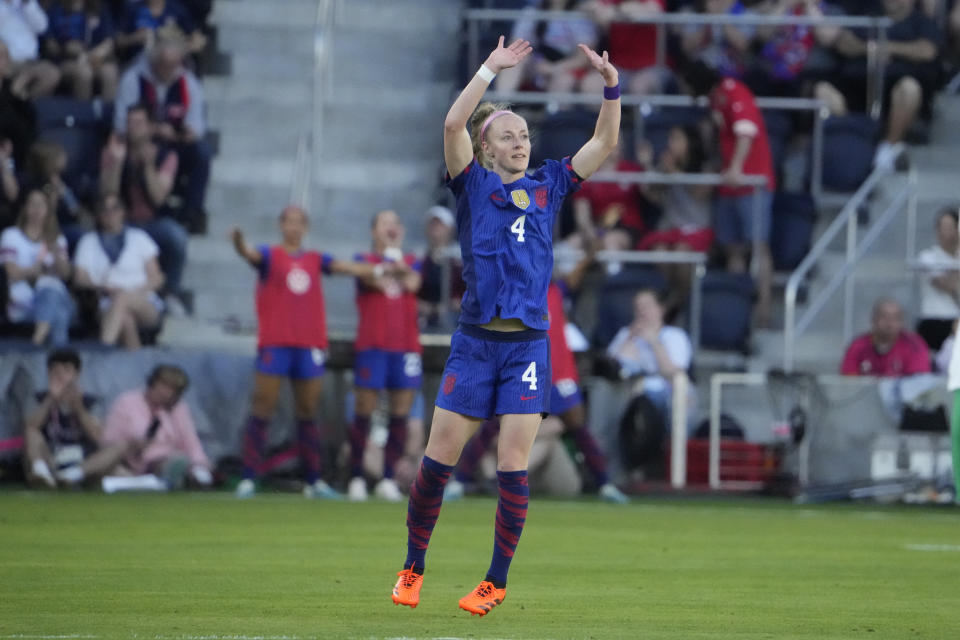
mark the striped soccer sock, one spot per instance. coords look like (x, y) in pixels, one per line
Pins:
(308, 440)
(358, 442)
(396, 439)
(423, 509)
(593, 457)
(511, 515)
(254, 442)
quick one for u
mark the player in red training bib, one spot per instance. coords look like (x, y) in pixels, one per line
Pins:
(566, 402)
(291, 343)
(387, 351)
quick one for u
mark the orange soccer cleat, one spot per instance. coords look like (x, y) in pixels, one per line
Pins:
(485, 597)
(407, 589)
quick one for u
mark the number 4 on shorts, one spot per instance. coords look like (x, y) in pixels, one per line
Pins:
(530, 375)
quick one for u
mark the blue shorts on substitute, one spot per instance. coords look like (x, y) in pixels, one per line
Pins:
(733, 218)
(298, 363)
(564, 395)
(378, 369)
(493, 373)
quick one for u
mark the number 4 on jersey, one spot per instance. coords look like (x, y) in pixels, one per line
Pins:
(530, 375)
(518, 227)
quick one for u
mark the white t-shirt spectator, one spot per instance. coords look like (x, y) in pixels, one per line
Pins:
(17, 248)
(21, 22)
(935, 303)
(130, 269)
(636, 356)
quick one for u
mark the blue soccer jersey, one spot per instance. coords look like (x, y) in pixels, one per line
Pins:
(506, 237)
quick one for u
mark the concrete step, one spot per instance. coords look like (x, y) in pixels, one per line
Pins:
(398, 16)
(273, 40)
(280, 13)
(280, 91)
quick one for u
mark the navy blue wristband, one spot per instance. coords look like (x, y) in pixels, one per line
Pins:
(611, 93)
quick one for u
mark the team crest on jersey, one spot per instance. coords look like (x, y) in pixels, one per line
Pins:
(540, 197)
(449, 383)
(520, 198)
(298, 281)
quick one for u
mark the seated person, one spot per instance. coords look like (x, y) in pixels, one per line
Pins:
(940, 288)
(156, 426)
(889, 350)
(723, 48)
(46, 165)
(684, 223)
(62, 439)
(608, 208)
(9, 184)
(119, 263)
(913, 43)
(34, 254)
(142, 19)
(17, 124)
(631, 45)
(651, 352)
(80, 40)
(21, 24)
(556, 65)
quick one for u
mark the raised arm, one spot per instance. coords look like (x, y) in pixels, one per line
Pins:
(592, 154)
(244, 250)
(457, 147)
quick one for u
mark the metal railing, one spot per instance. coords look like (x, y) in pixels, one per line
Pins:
(876, 64)
(645, 103)
(310, 143)
(846, 220)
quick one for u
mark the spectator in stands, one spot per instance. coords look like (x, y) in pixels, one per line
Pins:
(9, 185)
(632, 45)
(156, 426)
(142, 173)
(889, 350)
(17, 117)
(80, 40)
(119, 264)
(21, 23)
(786, 49)
(556, 64)
(34, 254)
(684, 223)
(724, 48)
(941, 361)
(434, 311)
(62, 440)
(745, 151)
(142, 20)
(46, 164)
(651, 351)
(912, 70)
(604, 209)
(940, 286)
(174, 97)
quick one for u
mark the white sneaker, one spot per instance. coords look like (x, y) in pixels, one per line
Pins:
(610, 493)
(71, 475)
(357, 490)
(41, 471)
(454, 490)
(245, 489)
(320, 490)
(886, 155)
(388, 490)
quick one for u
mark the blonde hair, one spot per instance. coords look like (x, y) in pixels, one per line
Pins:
(51, 228)
(480, 115)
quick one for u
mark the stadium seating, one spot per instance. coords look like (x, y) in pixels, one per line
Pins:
(849, 143)
(80, 127)
(615, 298)
(792, 229)
(725, 314)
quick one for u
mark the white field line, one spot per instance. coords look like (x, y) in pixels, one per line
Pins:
(932, 547)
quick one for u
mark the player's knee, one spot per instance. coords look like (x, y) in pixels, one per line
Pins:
(909, 90)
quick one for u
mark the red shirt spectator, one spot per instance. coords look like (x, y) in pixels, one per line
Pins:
(736, 112)
(888, 350)
(632, 45)
(561, 358)
(612, 205)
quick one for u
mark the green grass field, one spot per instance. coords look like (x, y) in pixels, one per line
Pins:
(208, 566)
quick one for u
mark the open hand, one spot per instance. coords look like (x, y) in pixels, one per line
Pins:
(505, 57)
(602, 64)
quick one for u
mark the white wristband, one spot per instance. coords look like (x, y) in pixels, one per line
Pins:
(485, 73)
(378, 270)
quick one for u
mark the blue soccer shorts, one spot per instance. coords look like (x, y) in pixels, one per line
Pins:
(564, 395)
(297, 363)
(493, 373)
(394, 370)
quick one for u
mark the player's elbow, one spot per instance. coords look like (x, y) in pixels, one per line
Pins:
(453, 125)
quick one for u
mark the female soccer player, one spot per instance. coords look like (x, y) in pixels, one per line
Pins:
(499, 360)
(292, 337)
(387, 352)
(566, 403)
